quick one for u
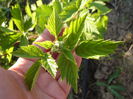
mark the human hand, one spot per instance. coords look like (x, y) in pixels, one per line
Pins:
(12, 84)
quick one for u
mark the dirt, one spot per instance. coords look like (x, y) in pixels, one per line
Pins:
(120, 28)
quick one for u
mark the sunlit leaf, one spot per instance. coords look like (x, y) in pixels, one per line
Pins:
(42, 14)
(49, 64)
(54, 24)
(74, 32)
(28, 10)
(101, 6)
(94, 49)
(57, 4)
(29, 51)
(45, 44)
(68, 11)
(17, 17)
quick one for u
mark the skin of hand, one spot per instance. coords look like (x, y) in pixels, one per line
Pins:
(12, 84)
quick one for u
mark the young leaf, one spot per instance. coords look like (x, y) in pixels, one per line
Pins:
(54, 24)
(57, 4)
(49, 64)
(42, 18)
(101, 24)
(29, 51)
(28, 10)
(80, 4)
(9, 54)
(101, 6)
(68, 11)
(11, 26)
(24, 41)
(45, 44)
(17, 17)
(32, 74)
(96, 48)
(27, 23)
(74, 32)
(69, 71)
(90, 30)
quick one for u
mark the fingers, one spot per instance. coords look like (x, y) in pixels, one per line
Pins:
(45, 36)
(50, 86)
(23, 64)
(64, 85)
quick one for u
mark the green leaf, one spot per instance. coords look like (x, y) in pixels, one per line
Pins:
(24, 41)
(78, 3)
(9, 54)
(32, 74)
(101, 24)
(4, 29)
(116, 94)
(68, 54)
(94, 49)
(65, 2)
(45, 44)
(117, 87)
(42, 14)
(113, 76)
(9, 39)
(27, 23)
(29, 51)
(95, 27)
(73, 33)
(49, 64)
(101, 84)
(90, 30)
(81, 4)
(68, 12)
(106, 0)
(17, 17)
(28, 10)
(101, 6)
(57, 4)
(54, 24)
(69, 71)
(2, 16)
(11, 26)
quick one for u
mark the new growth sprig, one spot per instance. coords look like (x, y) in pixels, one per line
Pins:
(82, 34)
